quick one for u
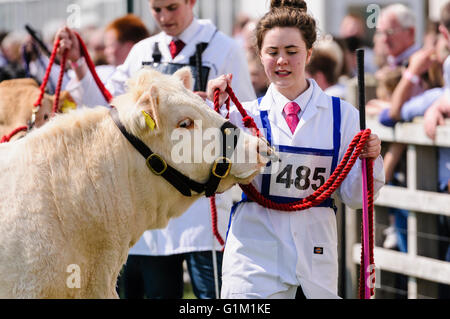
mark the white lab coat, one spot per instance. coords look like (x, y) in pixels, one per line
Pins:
(269, 253)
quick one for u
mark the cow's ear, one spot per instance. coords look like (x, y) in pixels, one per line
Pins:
(185, 75)
(149, 105)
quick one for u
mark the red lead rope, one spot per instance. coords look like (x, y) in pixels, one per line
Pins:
(91, 67)
(55, 109)
(38, 102)
(334, 181)
(7, 138)
(47, 76)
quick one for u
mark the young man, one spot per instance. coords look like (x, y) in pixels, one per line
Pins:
(154, 267)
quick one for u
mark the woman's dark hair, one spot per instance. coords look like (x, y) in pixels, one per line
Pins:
(285, 14)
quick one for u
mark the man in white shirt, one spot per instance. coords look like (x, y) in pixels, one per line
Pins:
(119, 35)
(154, 266)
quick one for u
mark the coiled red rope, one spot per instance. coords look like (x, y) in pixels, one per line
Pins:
(334, 181)
(38, 102)
(370, 199)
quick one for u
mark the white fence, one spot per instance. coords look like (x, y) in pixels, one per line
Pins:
(420, 264)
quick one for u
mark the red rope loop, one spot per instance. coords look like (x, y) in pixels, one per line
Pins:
(325, 191)
(212, 202)
(55, 108)
(335, 180)
(91, 67)
(7, 138)
(47, 73)
(38, 102)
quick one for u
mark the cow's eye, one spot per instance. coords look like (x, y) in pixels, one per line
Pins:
(186, 123)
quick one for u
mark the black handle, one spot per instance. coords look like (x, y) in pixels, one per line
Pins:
(361, 89)
(38, 40)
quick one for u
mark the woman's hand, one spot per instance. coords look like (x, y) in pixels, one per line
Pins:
(372, 148)
(221, 83)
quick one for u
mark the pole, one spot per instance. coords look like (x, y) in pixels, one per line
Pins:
(362, 124)
(130, 6)
(214, 259)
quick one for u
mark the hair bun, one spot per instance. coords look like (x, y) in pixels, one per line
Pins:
(297, 4)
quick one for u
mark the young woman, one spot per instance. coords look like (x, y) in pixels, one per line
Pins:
(269, 253)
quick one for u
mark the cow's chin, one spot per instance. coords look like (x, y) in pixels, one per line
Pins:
(247, 178)
(244, 179)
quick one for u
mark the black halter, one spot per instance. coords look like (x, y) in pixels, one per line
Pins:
(221, 166)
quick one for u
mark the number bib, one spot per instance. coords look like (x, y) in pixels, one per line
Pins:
(301, 173)
(302, 170)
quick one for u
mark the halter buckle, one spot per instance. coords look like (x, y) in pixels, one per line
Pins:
(156, 160)
(214, 168)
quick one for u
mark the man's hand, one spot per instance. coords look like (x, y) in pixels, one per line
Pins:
(220, 83)
(68, 41)
(421, 61)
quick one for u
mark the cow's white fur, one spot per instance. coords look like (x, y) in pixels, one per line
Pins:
(75, 192)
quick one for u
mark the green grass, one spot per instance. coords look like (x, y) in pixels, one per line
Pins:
(188, 293)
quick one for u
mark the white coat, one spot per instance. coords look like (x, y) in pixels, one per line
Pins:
(269, 253)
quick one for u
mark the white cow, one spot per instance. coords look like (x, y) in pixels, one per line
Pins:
(75, 195)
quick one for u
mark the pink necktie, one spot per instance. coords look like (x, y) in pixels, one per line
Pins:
(175, 47)
(291, 109)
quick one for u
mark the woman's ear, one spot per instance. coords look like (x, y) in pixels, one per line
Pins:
(308, 55)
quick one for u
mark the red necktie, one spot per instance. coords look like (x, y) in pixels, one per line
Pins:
(175, 47)
(291, 109)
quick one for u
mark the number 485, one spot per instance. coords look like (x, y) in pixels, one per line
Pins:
(303, 180)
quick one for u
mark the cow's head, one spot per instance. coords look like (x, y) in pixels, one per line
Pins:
(179, 126)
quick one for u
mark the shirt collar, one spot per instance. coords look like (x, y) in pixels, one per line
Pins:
(188, 34)
(302, 100)
(405, 55)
